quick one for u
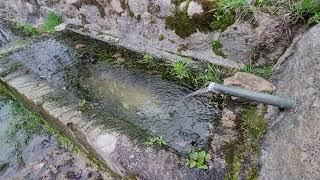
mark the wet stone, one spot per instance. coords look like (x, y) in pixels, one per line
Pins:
(38, 155)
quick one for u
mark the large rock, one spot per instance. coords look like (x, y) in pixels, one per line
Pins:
(292, 145)
(249, 81)
(242, 42)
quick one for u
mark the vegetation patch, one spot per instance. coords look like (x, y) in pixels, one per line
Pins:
(28, 29)
(308, 10)
(147, 58)
(216, 47)
(52, 20)
(251, 127)
(161, 37)
(210, 74)
(184, 25)
(180, 69)
(155, 141)
(262, 71)
(198, 160)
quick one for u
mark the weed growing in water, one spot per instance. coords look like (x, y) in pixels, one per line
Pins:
(198, 160)
(262, 71)
(52, 20)
(155, 141)
(180, 69)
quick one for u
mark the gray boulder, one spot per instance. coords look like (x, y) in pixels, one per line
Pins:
(292, 145)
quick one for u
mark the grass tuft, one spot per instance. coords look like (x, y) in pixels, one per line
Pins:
(211, 74)
(52, 20)
(180, 69)
(262, 71)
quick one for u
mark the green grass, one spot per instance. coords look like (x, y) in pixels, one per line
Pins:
(180, 69)
(155, 141)
(262, 71)
(211, 74)
(308, 9)
(52, 20)
(225, 13)
(198, 160)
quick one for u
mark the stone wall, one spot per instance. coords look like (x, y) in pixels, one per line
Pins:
(141, 25)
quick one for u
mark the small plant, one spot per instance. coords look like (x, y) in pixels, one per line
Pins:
(52, 20)
(180, 69)
(28, 29)
(216, 47)
(198, 160)
(147, 58)
(263, 71)
(225, 15)
(211, 74)
(161, 37)
(155, 141)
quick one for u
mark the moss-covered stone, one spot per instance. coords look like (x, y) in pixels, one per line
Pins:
(184, 25)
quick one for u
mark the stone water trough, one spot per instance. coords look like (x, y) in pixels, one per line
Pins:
(109, 110)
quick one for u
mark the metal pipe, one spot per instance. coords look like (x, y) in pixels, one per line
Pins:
(279, 101)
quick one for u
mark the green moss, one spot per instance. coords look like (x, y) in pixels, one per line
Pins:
(147, 58)
(251, 127)
(28, 29)
(184, 26)
(216, 47)
(195, 78)
(161, 37)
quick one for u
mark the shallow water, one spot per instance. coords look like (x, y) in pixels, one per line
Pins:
(145, 101)
(152, 104)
